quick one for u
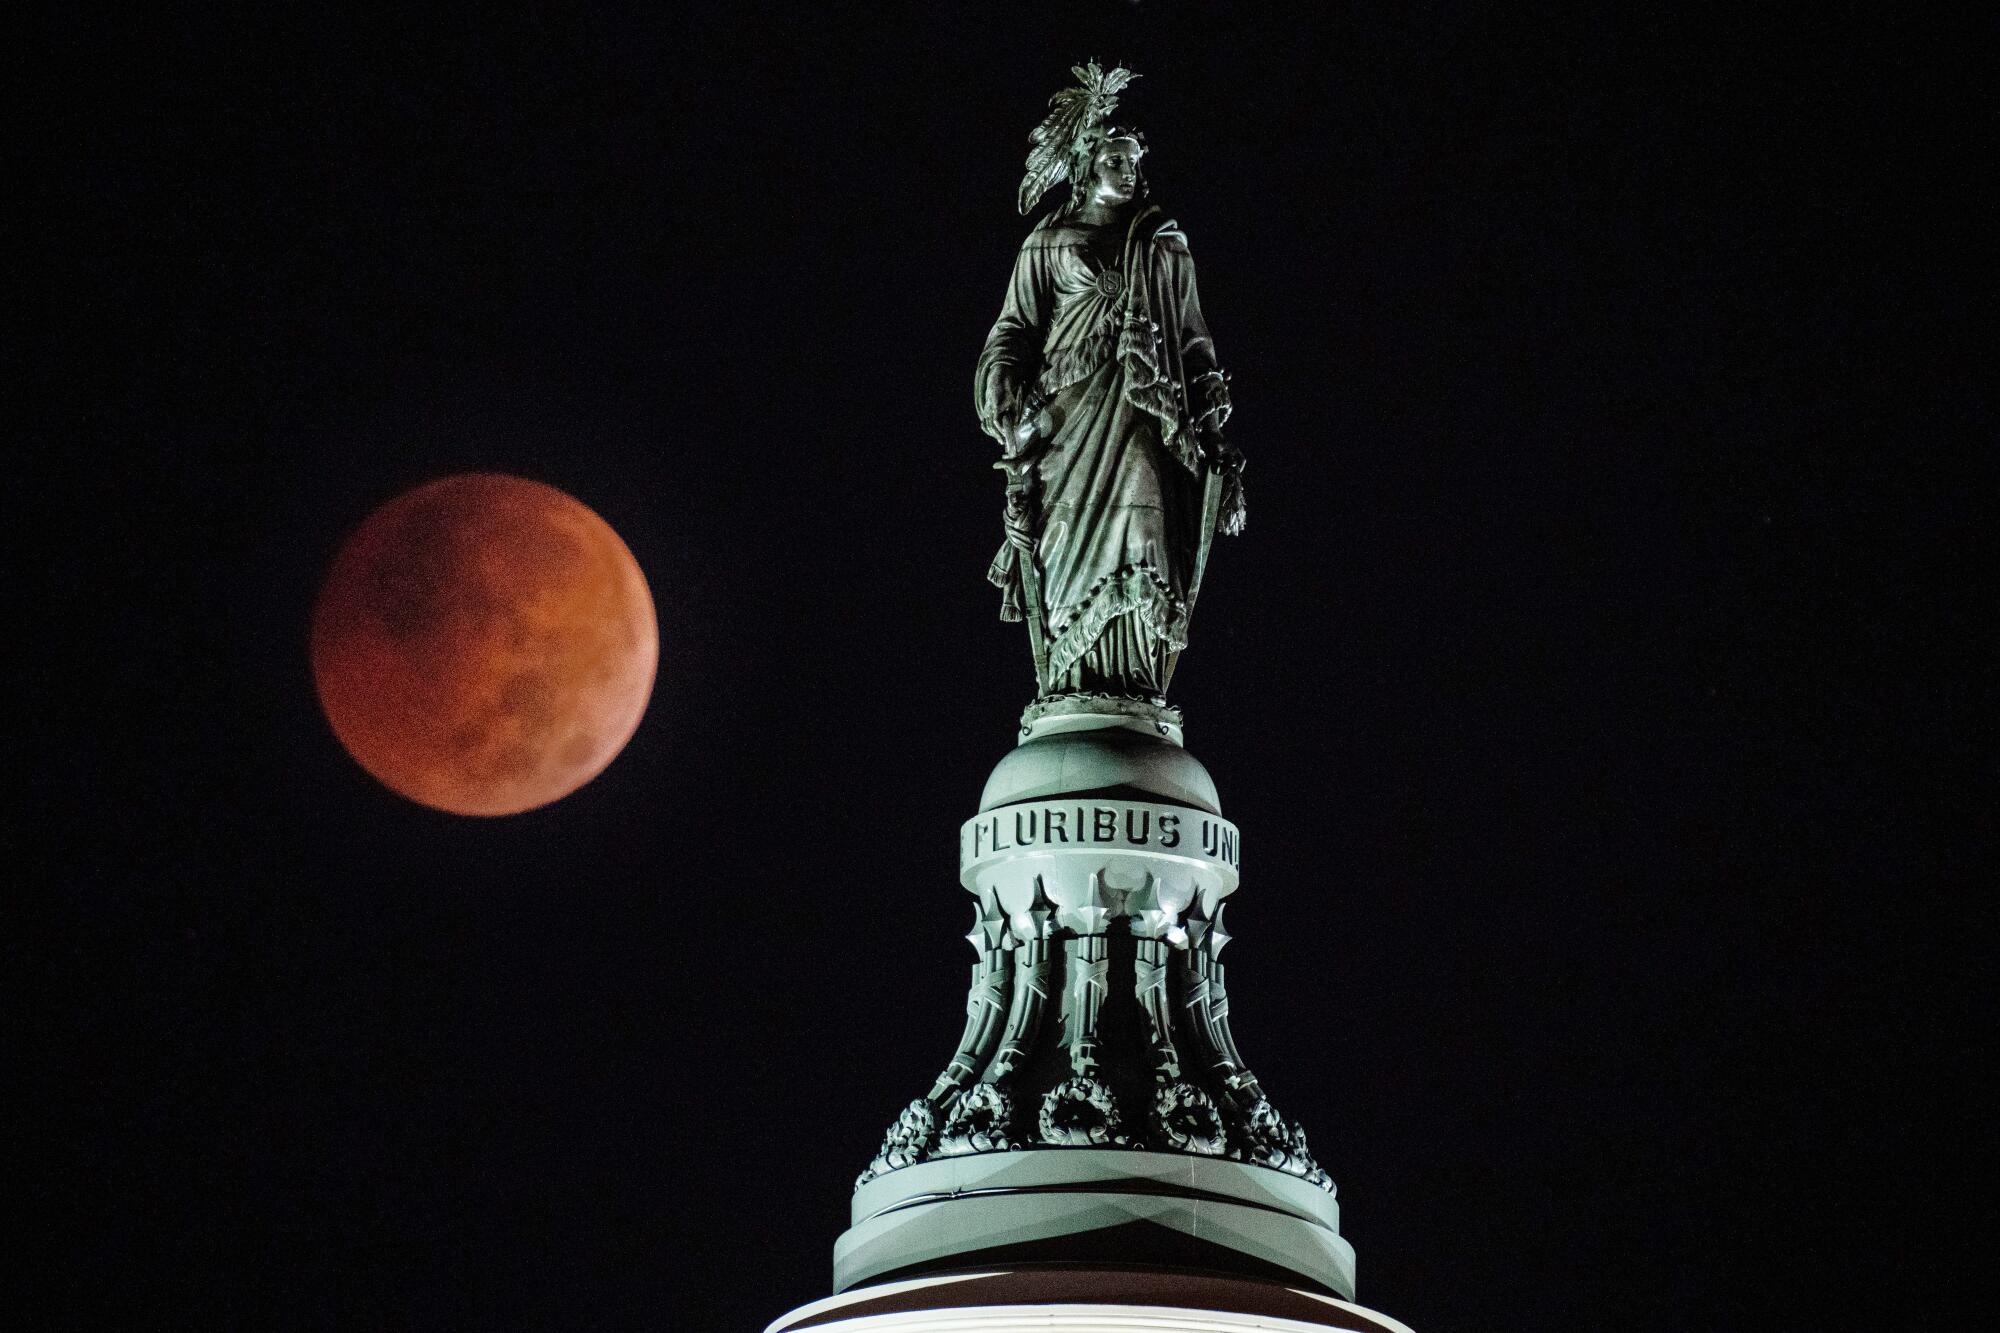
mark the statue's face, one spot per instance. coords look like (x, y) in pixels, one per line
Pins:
(1115, 171)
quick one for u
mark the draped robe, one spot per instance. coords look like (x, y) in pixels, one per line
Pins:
(1109, 347)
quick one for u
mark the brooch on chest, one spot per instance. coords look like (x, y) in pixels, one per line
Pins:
(1109, 283)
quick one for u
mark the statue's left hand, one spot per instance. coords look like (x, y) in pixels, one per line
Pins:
(1235, 513)
(1219, 406)
(1015, 519)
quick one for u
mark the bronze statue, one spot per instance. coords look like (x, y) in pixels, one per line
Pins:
(1100, 383)
(1096, 1103)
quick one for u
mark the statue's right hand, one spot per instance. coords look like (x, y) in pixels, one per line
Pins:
(1003, 409)
(1026, 437)
(1006, 418)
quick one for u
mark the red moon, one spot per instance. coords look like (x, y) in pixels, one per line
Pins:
(484, 644)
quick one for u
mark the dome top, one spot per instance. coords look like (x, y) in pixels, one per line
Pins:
(1008, 1297)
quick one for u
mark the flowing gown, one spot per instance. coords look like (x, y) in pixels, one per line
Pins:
(1102, 327)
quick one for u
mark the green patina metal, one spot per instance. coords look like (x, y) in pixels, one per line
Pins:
(1100, 383)
(1096, 1105)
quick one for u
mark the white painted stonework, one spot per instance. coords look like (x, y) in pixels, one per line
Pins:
(828, 1315)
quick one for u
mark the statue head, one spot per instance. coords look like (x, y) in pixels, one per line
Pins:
(1067, 142)
(1105, 168)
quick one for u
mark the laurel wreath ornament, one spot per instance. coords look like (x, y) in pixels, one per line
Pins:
(978, 1123)
(1186, 1120)
(1079, 1112)
(906, 1143)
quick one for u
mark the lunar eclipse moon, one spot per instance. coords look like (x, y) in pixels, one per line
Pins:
(484, 644)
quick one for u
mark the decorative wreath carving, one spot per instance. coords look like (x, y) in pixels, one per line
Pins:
(978, 1122)
(906, 1143)
(1079, 1112)
(1185, 1120)
(1302, 1163)
(1268, 1139)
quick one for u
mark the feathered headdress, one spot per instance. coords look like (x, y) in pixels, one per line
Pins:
(1073, 112)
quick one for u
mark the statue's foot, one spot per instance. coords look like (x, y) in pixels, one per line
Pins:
(1070, 710)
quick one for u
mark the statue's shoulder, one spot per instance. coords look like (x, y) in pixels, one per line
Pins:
(1052, 233)
(1167, 234)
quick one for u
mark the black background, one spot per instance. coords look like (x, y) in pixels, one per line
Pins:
(1576, 685)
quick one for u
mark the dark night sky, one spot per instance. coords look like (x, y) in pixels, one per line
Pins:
(1577, 684)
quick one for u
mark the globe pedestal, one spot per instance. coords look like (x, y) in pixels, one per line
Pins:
(1097, 1110)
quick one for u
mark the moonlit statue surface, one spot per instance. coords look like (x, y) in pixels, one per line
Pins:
(1096, 1151)
(1100, 383)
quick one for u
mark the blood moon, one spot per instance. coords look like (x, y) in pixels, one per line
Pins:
(484, 644)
